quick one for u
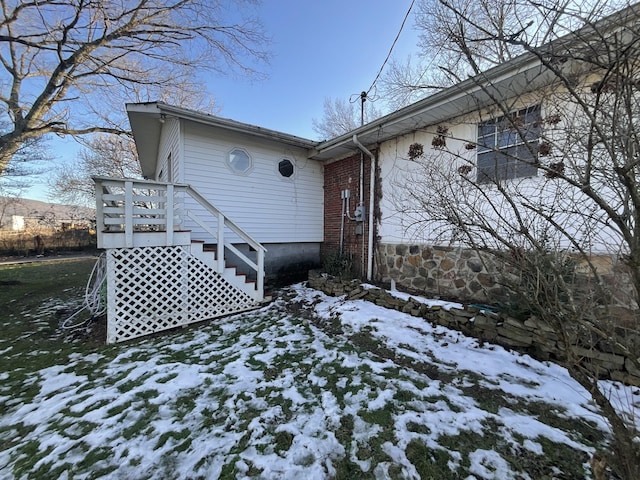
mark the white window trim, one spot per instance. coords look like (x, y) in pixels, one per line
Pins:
(230, 166)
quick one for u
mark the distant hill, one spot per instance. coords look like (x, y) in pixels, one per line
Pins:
(35, 210)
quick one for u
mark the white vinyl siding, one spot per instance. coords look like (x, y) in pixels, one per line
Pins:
(398, 222)
(269, 207)
(169, 148)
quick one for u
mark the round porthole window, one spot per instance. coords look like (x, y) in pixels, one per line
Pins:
(285, 167)
(239, 160)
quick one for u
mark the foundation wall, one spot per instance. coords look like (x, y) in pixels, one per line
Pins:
(470, 276)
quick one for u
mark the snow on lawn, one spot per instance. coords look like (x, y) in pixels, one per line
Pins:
(309, 387)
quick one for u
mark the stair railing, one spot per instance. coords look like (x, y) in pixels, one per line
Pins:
(223, 242)
(127, 206)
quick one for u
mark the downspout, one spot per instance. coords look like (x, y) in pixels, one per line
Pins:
(371, 199)
(363, 98)
(361, 204)
(342, 222)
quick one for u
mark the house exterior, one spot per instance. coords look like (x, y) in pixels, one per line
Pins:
(261, 179)
(289, 202)
(223, 206)
(506, 129)
(408, 247)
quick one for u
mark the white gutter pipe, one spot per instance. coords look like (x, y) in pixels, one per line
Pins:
(342, 222)
(361, 204)
(371, 199)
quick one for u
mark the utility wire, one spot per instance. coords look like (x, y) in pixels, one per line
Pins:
(392, 46)
(94, 297)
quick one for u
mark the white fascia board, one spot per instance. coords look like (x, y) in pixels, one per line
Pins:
(235, 126)
(439, 107)
(146, 127)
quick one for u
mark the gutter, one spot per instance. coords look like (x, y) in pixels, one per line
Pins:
(521, 64)
(371, 200)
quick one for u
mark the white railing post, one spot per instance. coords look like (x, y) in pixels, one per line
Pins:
(128, 213)
(100, 226)
(220, 248)
(260, 273)
(169, 215)
(223, 224)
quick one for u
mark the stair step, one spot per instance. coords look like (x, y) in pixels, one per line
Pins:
(208, 252)
(249, 280)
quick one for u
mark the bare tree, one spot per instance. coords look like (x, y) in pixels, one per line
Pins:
(31, 159)
(465, 37)
(341, 117)
(408, 81)
(110, 155)
(547, 189)
(62, 61)
(104, 155)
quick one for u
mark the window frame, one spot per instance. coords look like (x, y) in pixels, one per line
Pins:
(503, 144)
(293, 168)
(230, 162)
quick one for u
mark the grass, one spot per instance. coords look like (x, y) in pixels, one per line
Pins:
(240, 397)
(36, 297)
(431, 463)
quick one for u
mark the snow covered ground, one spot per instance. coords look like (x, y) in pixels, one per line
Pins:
(310, 387)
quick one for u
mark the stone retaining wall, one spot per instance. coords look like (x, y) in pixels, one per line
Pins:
(530, 336)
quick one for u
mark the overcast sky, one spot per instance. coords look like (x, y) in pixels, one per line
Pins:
(328, 48)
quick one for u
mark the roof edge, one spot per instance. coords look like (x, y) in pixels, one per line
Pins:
(525, 61)
(161, 108)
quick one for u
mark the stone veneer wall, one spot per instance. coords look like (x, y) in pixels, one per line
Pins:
(469, 276)
(531, 336)
(441, 271)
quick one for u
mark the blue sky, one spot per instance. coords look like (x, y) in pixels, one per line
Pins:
(320, 49)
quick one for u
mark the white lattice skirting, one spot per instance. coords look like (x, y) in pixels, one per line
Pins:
(151, 289)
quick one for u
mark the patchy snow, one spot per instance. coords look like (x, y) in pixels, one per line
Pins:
(446, 305)
(488, 464)
(510, 372)
(430, 302)
(274, 395)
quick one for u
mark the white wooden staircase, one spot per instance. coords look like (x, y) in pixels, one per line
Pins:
(158, 276)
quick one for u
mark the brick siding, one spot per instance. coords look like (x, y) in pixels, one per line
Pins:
(340, 175)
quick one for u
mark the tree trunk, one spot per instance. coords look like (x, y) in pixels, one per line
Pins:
(10, 144)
